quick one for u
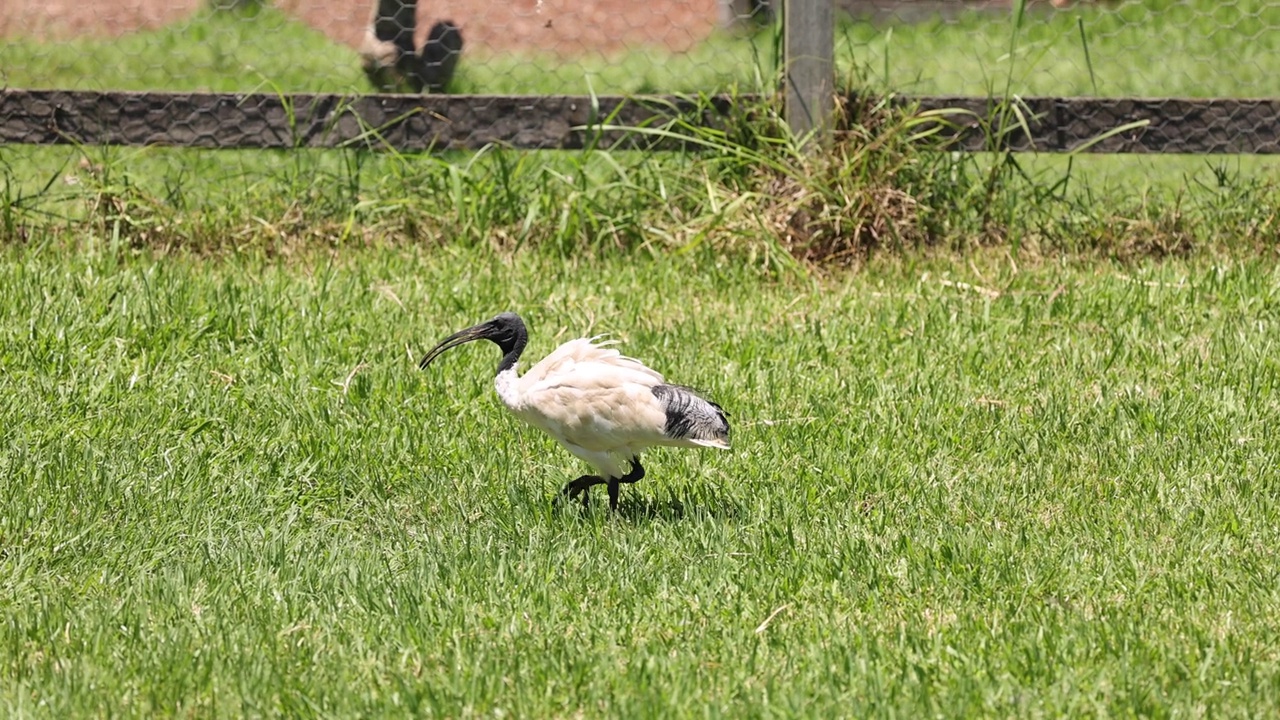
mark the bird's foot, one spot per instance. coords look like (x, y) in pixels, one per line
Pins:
(580, 486)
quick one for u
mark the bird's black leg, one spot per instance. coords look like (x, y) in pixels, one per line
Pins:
(581, 485)
(637, 472)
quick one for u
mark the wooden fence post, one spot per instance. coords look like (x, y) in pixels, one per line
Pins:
(809, 31)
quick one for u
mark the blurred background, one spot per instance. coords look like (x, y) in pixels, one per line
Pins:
(1200, 48)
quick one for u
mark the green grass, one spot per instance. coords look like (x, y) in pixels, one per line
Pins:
(753, 200)
(1020, 464)
(212, 51)
(1036, 491)
(1154, 48)
(1027, 487)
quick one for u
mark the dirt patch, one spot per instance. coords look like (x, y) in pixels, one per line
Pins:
(564, 27)
(60, 19)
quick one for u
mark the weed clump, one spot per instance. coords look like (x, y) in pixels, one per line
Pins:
(884, 180)
(869, 189)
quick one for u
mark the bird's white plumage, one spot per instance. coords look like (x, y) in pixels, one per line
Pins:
(595, 401)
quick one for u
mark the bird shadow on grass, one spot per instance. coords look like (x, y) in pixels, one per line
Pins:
(674, 508)
(670, 508)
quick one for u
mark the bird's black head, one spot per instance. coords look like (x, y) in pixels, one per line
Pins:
(507, 331)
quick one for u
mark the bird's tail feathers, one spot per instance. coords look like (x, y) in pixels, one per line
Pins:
(692, 418)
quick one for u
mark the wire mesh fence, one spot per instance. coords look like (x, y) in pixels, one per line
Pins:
(982, 48)
(522, 47)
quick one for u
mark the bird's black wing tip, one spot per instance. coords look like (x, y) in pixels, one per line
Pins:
(681, 405)
(661, 390)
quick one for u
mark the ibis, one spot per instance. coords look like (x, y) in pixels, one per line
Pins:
(603, 407)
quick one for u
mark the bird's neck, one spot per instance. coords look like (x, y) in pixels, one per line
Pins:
(511, 345)
(507, 376)
(505, 382)
(511, 349)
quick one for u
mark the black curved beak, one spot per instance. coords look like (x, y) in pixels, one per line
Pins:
(471, 334)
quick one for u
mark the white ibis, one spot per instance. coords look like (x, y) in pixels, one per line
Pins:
(601, 406)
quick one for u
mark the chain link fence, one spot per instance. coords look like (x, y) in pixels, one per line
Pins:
(975, 48)
(520, 47)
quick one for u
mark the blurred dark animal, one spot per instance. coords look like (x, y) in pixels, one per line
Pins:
(390, 60)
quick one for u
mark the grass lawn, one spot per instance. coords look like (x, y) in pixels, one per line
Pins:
(1021, 462)
(1034, 490)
